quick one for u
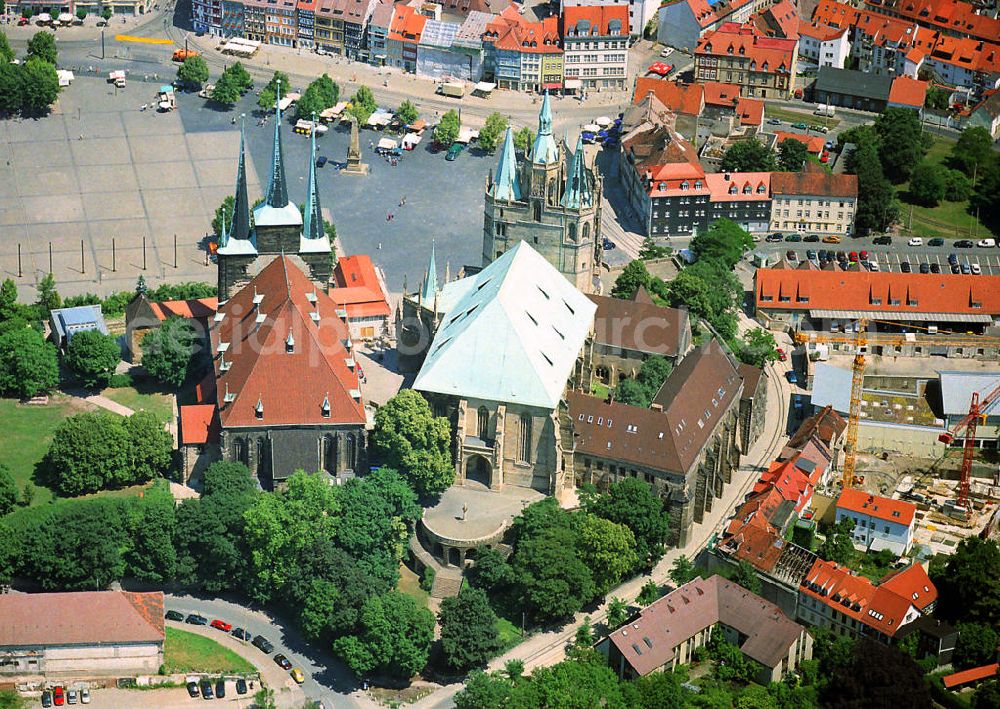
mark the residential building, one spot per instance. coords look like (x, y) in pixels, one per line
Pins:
(986, 113)
(724, 101)
(640, 12)
(595, 44)
(831, 596)
(852, 89)
(233, 16)
(206, 16)
(881, 45)
(819, 438)
(815, 144)
(64, 323)
(552, 199)
(378, 33)
(329, 26)
(523, 55)
(935, 638)
(404, 37)
(879, 522)
(753, 404)
(85, 633)
(279, 23)
(907, 93)
(813, 201)
(464, 7)
(683, 22)
(763, 67)
(794, 478)
(685, 101)
(949, 17)
(823, 45)
(966, 63)
(778, 20)
(506, 410)
(357, 15)
(453, 50)
(628, 332)
(361, 294)
(305, 21)
(685, 446)
(667, 632)
(831, 301)
(255, 19)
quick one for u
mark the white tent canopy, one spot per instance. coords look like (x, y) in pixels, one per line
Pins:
(484, 87)
(592, 128)
(603, 121)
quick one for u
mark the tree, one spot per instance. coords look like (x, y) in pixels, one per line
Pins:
(469, 633)
(6, 53)
(957, 186)
(746, 576)
(484, 691)
(731, 665)
(42, 45)
(489, 134)
(491, 572)
(9, 497)
(152, 557)
(631, 392)
(551, 581)
(447, 129)
(583, 639)
(802, 534)
(724, 241)
(93, 357)
(633, 503)
(268, 98)
(969, 585)
(661, 689)
(28, 363)
(88, 451)
(394, 636)
(607, 548)
(226, 92)
(792, 155)
(328, 89)
(977, 645)
(682, 571)
(582, 681)
(877, 208)
(407, 112)
(838, 545)
(9, 308)
(902, 143)
(650, 250)
(617, 613)
(927, 183)
(987, 695)
(409, 438)
(876, 676)
(936, 98)
(632, 276)
(194, 71)
(151, 447)
(106, 13)
(48, 297)
(757, 347)
(708, 291)
(167, 351)
(747, 156)
(973, 150)
(11, 89)
(649, 592)
(320, 95)
(363, 104)
(224, 210)
(986, 197)
(39, 86)
(524, 138)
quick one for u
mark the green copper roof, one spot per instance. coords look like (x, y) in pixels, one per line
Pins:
(240, 227)
(505, 185)
(579, 190)
(545, 151)
(312, 225)
(430, 280)
(277, 190)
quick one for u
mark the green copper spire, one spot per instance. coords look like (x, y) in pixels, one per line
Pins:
(277, 190)
(240, 225)
(545, 151)
(429, 289)
(312, 225)
(579, 190)
(505, 184)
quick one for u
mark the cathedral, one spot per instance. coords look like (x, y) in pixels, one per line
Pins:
(550, 199)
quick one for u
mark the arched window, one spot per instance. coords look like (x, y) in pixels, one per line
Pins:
(538, 211)
(586, 230)
(261, 456)
(330, 454)
(483, 423)
(524, 440)
(241, 452)
(351, 452)
(572, 231)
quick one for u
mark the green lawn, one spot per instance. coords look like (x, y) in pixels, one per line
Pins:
(806, 117)
(138, 399)
(510, 634)
(409, 583)
(27, 433)
(187, 652)
(599, 389)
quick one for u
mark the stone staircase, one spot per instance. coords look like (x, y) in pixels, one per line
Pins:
(447, 579)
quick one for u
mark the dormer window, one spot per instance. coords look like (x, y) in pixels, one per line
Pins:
(697, 184)
(684, 185)
(258, 410)
(325, 407)
(743, 50)
(732, 189)
(746, 189)
(289, 343)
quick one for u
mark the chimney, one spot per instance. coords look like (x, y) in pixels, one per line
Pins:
(656, 407)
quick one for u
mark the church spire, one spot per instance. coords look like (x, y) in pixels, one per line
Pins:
(312, 225)
(579, 192)
(240, 225)
(277, 190)
(506, 185)
(429, 289)
(545, 151)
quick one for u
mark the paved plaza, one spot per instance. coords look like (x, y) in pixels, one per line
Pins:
(474, 512)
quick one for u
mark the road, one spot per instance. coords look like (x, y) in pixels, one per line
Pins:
(326, 677)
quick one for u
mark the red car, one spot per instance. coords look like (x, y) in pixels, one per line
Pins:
(864, 255)
(782, 357)
(853, 256)
(57, 696)
(23, 21)
(222, 625)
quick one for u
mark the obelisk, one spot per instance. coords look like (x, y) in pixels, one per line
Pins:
(354, 164)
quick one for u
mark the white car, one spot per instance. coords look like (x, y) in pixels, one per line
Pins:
(976, 269)
(987, 243)
(755, 238)
(873, 266)
(667, 52)
(915, 241)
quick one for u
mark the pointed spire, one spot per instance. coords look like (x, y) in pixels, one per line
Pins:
(223, 234)
(506, 186)
(579, 191)
(277, 190)
(429, 289)
(239, 227)
(545, 151)
(312, 225)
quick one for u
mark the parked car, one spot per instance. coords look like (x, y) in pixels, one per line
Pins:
(298, 676)
(964, 244)
(282, 662)
(819, 129)
(84, 696)
(987, 243)
(222, 625)
(58, 696)
(841, 257)
(773, 238)
(863, 255)
(812, 255)
(955, 268)
(782, 355)
(793, 238)
(882, 240)
(263, 644)
(454, 151)
(829, 145)
(831, 239)
(904, 266)
(241, 686)
(935, 267)
(936, 241)
(241, 634)
(925, 268)
(792, 377)
(952, 259)
(192, 688)
(71, 696)
(46, 695)
(874, 267)
(791, 256)
(976, 269)
(853, 256)
(174, 615)
(773, 122)
(915, 241)
(811, 238)
(966, 269)
(321, 161)
(800, 126)
(220, 688)
(195, 619)
(206, 689)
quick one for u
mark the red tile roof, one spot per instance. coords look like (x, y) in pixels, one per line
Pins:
(767, 54)
(290, 386)
(823, 33)
(957, 679)
(511, 31)
(407, 24)
(718, 94)
(952, 15)
(884, 508)
(686, 99)
(81, 618)
(813, 183)
(599, 17)
(790, 481)
(750, 112)
(739, 186)
(780, 20)
(908, 92)
(359, 289)
(913, 583)
(813, 143)
(199, 424)
(967, 53)
(757, 511)
(859, 290)
(195, 308)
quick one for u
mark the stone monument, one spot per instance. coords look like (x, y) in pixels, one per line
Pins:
(354, 164)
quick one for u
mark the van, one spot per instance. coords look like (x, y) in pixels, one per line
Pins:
(455, 89)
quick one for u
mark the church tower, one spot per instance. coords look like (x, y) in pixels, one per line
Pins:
(417, 319)
(278, 227)
(551, 199)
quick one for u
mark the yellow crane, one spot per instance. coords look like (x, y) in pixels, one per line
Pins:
(861, 339)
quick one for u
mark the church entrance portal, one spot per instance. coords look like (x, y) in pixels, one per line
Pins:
(478, 470)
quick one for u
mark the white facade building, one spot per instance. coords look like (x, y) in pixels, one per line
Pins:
(824, 46)
(595, 45)
(879, 522)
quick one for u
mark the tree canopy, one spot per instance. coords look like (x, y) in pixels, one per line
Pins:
(877, 207)
(606, 548)
(42, 45)
(748, 156)
(93, 356)
(724, 242)
(969, 585)
(9, 494)
(363, 104)
(757, 347)
(973, 150)
(634, 275)
(409, 438)
(6, 53)
(490, 134)
(407, 112)
(167, 351)
(838, 545)
(469, 632)
(394, 637)
(268, 98)
(792, 155)
(902, 143)
(551, 579)
(447, 129)
(641, 390)
(28, 362)
(321, 94)
(524, 138)
(927, 183)
(194, 71)
(633, 503)
(39, 86)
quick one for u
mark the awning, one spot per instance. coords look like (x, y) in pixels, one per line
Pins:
(553, 85)
(592, 128)
(603, 121)
(573, 84)
(387, 144)
(484, 87)
(903, 318)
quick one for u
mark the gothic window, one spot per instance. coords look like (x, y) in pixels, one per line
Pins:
(572, 231)
(351, 451)
(524, 440)
(261, 456)
(241, 452)
(552, 192)
(483, 423)
(538, 211)
(330, 454)
(586, 230)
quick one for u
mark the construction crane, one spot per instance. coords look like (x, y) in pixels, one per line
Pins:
(861, 339)
(969, 424)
